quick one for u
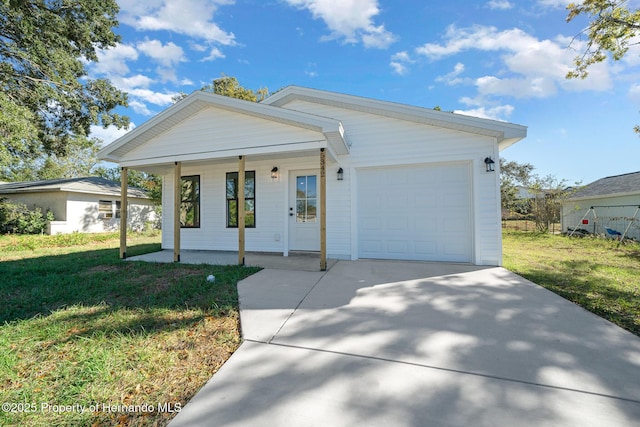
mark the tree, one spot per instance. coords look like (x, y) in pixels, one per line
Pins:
(146, 181)
(512, 176)
(47, 101)
(546, 203)
(546, 193)
(612, 29)
(79, 160)
(229, 86)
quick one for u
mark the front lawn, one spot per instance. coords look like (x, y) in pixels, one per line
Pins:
(87, 339)
(592, 272)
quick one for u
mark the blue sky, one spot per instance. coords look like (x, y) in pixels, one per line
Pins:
(499, 59)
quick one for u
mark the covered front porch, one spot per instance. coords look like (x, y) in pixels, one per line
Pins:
(236, 139)
(295, 261)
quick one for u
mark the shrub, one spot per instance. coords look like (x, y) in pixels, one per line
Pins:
(16, 218)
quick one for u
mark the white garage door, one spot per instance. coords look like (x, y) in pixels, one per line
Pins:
(415, 213)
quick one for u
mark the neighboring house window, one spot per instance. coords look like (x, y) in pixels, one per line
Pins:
(118, 204)
(249, 199)
(105, 209)
(190, 202)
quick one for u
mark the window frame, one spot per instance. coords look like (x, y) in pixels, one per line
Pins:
(230, 175)
(102, 205)
(194, 200)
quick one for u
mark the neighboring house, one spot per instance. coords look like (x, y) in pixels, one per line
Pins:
(615, 201)
(402, 182)
(89, 204)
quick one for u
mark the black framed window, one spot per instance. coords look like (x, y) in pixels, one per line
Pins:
(190, 202)
(249, 199)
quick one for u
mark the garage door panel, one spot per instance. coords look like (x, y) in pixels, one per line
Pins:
(426, 248)
(415, 212)
(397, 247)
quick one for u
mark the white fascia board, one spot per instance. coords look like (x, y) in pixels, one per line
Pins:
(230, 154)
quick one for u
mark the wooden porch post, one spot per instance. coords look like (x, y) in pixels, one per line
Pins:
(124, 188)
(240, 208)
(177, 201)
(323, 210)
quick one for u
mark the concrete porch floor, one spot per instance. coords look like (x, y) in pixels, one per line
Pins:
(307, 261)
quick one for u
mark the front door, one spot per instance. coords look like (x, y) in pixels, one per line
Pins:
(304, 211)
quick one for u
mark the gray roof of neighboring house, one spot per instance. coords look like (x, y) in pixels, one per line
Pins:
(625, 184)
(90, 185)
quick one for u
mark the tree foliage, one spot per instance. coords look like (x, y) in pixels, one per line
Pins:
(611, 30)
(229, 86)
(512, 176)
(545, 194)
(146, 181)
(16, 218)
(47, 101)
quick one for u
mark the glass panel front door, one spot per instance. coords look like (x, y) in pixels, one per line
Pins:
(306, 199)
(304, 210)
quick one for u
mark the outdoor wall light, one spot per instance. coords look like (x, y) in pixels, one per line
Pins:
(274, 173)
(340, 174)
(488, 162)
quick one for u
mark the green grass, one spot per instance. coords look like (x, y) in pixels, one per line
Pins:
(80, 327)
(592, 272)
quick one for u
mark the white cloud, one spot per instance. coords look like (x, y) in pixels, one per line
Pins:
(193, 18)
(634, 93)
(214, 54)
(156, 98)
(110, 134)
(351, 20)
(499, 4)
(166, 55)
(555, 4)
(128, 83)
(140, 108)
(453, 78)
(399, 62)
(500, 112)
(529, 67)
(114, 60)
(495, 112)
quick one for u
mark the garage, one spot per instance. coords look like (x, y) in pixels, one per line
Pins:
(416, 212)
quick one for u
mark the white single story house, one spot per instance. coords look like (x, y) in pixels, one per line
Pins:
(89, 204)
(346, 176)
(612, 202)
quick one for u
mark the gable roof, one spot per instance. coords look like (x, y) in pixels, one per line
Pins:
(617, 185)
(506, 133)
(199, 100)
(90, 185)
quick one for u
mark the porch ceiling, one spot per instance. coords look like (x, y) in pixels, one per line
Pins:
(163, 168)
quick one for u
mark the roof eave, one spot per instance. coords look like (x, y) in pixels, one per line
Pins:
(600, 196)
(505, 133)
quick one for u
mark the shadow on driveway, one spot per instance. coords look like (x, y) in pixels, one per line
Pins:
(413, 344)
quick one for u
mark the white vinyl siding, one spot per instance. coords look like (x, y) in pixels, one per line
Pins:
(616, 218)
(381, 141)
(272, 204)
(218, 130)
(377, 142)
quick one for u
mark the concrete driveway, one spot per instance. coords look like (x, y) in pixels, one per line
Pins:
(383, 343)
